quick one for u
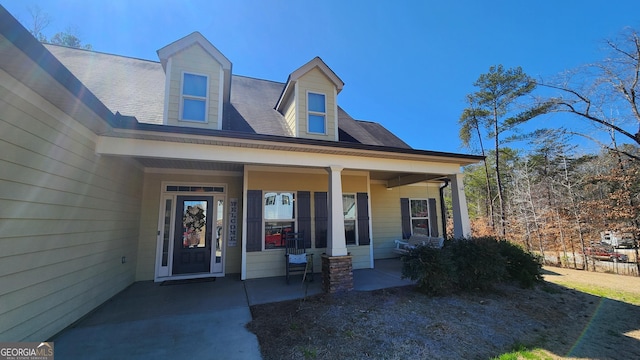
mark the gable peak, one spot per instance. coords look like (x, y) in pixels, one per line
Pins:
(195, 38)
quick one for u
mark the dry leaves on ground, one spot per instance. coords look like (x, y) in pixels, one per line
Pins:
(400, 323)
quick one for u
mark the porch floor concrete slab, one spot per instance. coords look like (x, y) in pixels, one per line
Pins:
(190, 321)
(197, 320)
(275, 289)
(386, 273)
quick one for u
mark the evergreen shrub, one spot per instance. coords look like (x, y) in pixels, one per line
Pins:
(470, 264)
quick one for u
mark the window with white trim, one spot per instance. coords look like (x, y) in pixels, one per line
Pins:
(316, 113)
(279, 218)
(193, 99)
(350, 217)
(420, 217)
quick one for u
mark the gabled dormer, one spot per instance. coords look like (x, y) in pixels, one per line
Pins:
(197, 84)
(309, 101)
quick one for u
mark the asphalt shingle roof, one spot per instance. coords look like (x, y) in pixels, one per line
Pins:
(135, 87)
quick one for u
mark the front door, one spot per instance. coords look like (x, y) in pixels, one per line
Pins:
(193, 234)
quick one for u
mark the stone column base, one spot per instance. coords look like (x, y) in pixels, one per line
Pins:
(337, 273)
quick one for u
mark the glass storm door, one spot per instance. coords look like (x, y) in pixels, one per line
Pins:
(193, 236)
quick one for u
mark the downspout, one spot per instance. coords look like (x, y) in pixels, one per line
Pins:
(443, 208)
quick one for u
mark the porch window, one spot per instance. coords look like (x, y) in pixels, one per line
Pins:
(350, 213)
(420, 217)
(279, 218)
(316, 113)
(193, 103)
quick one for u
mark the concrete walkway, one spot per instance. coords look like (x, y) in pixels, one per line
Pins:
(201, 320)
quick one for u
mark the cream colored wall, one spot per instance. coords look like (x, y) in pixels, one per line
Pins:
(316, 81)
(385, 214)
(194, 60)
(290, 115)
(68, 217)
(269, 263)
(151, 197)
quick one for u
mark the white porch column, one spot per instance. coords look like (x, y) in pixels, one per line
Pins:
(461, 224)
(336, 242)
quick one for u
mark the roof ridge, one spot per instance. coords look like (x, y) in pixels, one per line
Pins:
(255, 78)
(101, 52)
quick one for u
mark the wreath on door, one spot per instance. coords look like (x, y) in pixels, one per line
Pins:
(193, 221)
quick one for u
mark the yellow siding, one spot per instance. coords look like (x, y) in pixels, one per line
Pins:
(194, 60)
(385, 214)
(271, 262)
(149, 219)
(360, 257)
(68, 217)
(385, 220)
(290, 115)
(316, 81)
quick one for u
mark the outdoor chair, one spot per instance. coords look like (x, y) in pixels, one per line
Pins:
(297, 261)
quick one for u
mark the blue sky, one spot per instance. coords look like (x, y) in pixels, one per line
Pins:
(406, 64)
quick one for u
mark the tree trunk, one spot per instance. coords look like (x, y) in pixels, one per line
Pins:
(503, 222)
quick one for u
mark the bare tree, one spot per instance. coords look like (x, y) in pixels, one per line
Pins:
(39, 21)
(605, 93)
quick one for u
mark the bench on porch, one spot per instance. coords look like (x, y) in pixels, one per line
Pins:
(402, 247)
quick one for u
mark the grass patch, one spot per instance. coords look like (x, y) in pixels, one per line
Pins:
(521, 352)
(624, 296)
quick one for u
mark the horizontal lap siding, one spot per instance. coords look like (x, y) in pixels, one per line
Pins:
(385, 220)
(290, 115)
(360, 256)
(267, 263)
(67, 216)
(385, 212)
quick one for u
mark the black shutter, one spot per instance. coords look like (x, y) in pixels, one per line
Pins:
(406, 218)
(321, 217)
(433, 217)
(362, 201)
(304, 216)
(254, 220)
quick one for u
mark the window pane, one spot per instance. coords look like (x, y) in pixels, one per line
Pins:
(316, 124)
(420, 227)
(277, 208)
(350, 231)
(274, 233)
(194, 222)
(194, 85)
(349, 206)
(316, 102)
(168, 210)
(419, 208)
(193, 109)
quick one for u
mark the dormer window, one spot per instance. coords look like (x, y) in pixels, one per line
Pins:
(316, 113)
(193, 103)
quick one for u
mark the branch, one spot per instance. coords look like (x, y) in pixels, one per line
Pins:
(632, 156)
(585, 113)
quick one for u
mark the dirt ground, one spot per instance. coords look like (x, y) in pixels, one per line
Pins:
(400, 323)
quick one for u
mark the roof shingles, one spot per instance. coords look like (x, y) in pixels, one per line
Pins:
(135, 87)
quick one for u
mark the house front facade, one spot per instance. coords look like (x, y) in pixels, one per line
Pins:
(115, 170)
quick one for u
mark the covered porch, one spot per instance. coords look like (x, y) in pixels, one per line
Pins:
(245, 172)
(194, 320)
